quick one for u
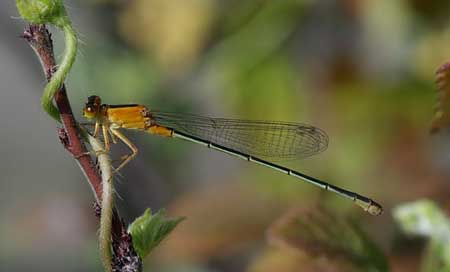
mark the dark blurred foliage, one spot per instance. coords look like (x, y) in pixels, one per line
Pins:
(321, 233)
(363, 71)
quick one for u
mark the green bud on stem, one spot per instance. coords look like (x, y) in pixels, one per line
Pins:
(43, 11)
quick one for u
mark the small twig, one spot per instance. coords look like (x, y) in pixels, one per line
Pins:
(40, 40)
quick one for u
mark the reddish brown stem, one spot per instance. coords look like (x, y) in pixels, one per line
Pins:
(40, 40)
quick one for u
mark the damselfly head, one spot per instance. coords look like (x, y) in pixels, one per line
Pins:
(92, 107)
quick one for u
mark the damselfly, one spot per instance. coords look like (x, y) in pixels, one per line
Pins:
(256, 141)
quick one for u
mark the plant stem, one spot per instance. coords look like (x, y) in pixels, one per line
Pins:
(107, 203)
(40, 40)
(58, 77)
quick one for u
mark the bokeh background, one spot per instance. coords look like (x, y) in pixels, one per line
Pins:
(363, 71)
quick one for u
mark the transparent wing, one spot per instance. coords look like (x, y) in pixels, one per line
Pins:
(266, 139)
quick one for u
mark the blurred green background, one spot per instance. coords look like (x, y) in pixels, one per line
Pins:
(363, 71)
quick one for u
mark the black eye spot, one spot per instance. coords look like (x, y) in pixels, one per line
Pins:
(89, 109)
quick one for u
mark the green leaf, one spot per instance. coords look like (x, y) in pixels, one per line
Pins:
(149, 230)
(424, 218)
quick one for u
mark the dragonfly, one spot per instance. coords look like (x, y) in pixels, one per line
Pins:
(261, 142)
